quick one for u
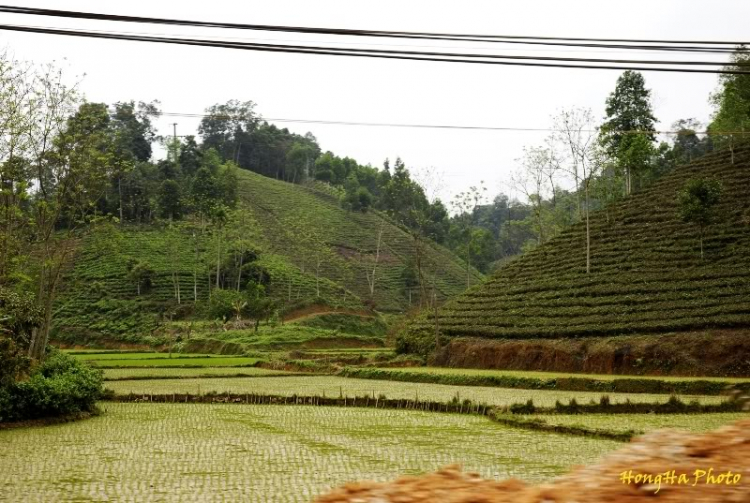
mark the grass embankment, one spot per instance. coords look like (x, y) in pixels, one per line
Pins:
(647, 277)
(549, 380)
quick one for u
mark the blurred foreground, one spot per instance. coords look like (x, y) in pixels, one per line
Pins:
(666, 465)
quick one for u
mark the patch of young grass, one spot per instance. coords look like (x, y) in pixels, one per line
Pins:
(214, 361)
(186, 373)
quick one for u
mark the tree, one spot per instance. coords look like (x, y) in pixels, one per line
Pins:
(372, 276)
(133, 134)
(629, 127)
(190, 157)
(300, 159)
(731, 103)
(141, 273)
(76, 171)
(576, 134)
(170, 200)
(531, 181)
(227, 128)
(356, 197)
(697, 203)
(20, 316)
(258, 304)
(405, 202)
(465, 204)
(204, 192)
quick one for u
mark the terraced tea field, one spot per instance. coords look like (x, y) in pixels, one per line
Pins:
(334, 386)
(274, 454)
(647, 275)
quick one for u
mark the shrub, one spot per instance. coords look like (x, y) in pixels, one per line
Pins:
(222, 303)
(61, 385)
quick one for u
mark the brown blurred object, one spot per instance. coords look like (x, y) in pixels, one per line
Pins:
(726, 449)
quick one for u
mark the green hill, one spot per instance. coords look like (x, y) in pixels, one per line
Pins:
(314, 251)
(647, 276)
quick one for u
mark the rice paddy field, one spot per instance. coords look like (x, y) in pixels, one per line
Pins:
(331, 386)
(229, 453)
(645, 422)
(205, 452)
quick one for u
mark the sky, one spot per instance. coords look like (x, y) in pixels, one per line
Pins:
(293, 86)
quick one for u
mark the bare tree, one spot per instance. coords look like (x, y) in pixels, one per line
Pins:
(371, 276)
(576, 131)
(536, 169)
(465, 204)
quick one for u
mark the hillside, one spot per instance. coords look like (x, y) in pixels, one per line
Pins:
(289, 226)
(647, 276)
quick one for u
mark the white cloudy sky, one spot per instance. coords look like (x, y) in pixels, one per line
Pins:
(188, 79)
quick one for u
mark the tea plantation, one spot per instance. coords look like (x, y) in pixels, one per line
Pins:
(288, 227)
(647, 275)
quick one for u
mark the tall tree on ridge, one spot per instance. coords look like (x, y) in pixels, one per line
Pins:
(732, 104)
(628, 134)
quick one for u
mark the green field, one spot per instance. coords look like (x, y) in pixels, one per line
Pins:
(94, 357)
(334, 386)
(162, 373)
(645, 422)
(550, 375)
(214, 361)
(228, 453)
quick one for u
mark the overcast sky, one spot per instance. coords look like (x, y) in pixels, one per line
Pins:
(189, 79)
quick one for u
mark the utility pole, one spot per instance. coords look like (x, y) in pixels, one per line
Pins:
(174, 142)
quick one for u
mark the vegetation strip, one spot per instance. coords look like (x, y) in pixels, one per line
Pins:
(580, 431)
(201, 376)
(624, 385)
(380, 401)
(673, 406)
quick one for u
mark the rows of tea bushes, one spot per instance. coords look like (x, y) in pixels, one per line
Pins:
(647, 275)
(291, 225)
(352, 236)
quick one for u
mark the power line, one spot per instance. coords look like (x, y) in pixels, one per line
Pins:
(385, 54)
(686, 45)
(437, 126)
